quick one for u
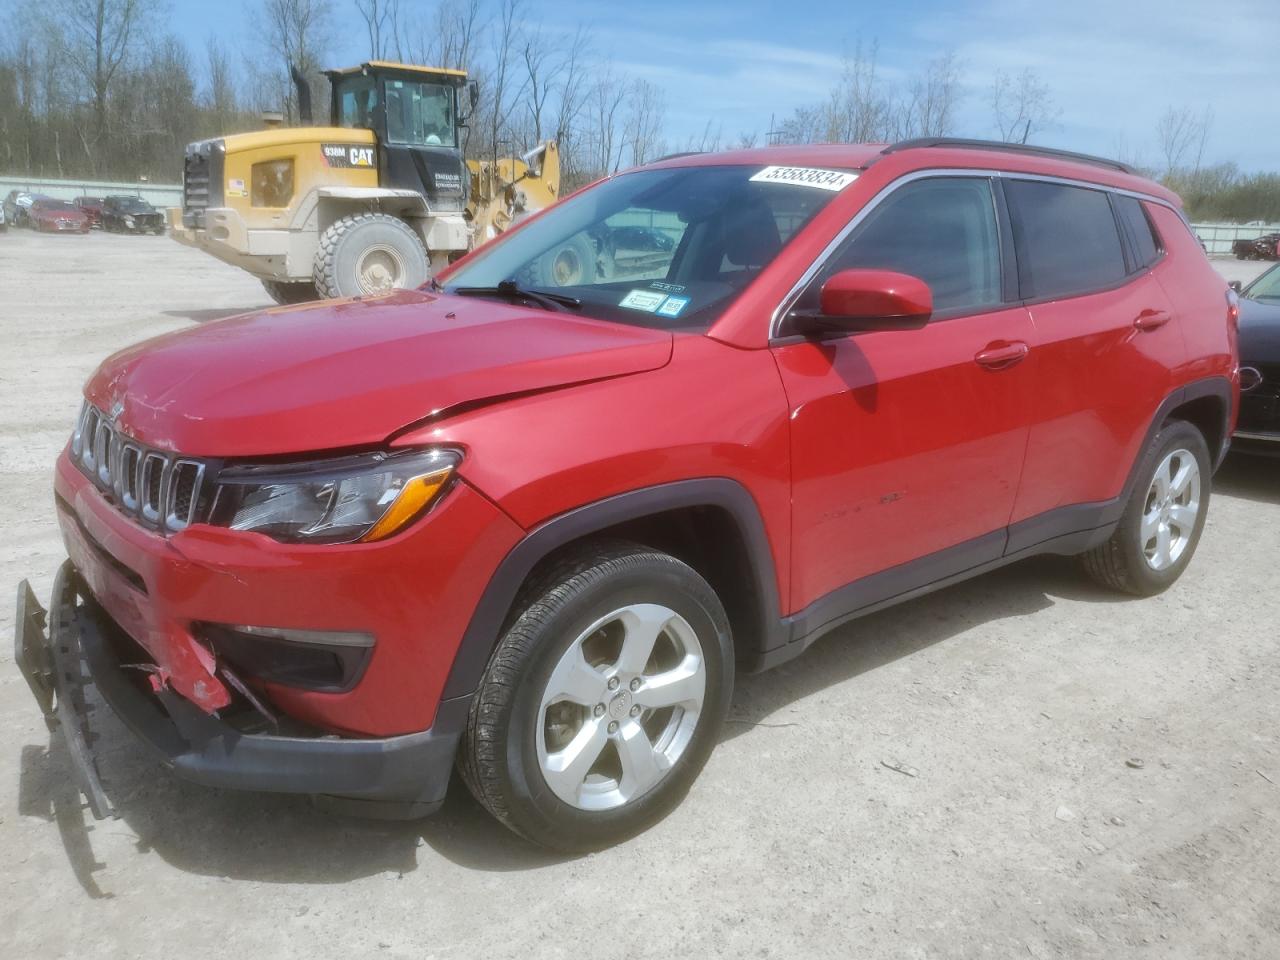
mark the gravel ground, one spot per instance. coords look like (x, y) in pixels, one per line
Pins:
(1016, 700)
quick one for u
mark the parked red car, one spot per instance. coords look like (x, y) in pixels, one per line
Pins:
(536, 530)
(92, 207)
(58, 216)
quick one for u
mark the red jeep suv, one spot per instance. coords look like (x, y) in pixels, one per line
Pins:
(532, 518)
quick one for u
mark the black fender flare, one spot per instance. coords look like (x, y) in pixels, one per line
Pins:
(484, 630)
(1218, 387)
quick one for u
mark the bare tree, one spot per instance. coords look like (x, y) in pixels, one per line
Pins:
(297, 33)
(447, 39)
(506, 85)
(928, 109)
(645, 122)
(606, 102)
(381, 21)
(220, 93)
(95, 37)
(855, 111)
(1179, 132)
(1021, 105)
(572, 96)
(543, 65)
(708, 141)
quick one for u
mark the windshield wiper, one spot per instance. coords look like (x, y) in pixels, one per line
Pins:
(511, 290)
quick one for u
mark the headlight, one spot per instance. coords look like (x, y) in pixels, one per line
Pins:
(340, 500)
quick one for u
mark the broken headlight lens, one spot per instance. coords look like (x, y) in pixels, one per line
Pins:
(340, 500)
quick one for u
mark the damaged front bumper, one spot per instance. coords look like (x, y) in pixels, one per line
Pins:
(399, 776)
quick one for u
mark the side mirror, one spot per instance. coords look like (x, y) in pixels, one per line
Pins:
(862, 300)
(1236, 285)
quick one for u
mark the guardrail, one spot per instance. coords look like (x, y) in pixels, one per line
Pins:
(1218, 237)
(159, 195)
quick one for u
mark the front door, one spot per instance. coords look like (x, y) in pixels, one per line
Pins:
(907, 446)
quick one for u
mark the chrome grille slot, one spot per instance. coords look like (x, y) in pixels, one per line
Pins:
(89, 441)
(161, 490)
(152, 485)
(127, 476)
(183, 486)
(102, 452)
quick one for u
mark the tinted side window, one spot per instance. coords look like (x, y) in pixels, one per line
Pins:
(941, 230)
(1066, 238)
(1142, 238)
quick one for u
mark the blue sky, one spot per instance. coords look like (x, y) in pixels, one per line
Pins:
(1113, 65)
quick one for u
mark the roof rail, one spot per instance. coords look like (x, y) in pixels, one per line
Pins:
(964, 144)
(677, 156)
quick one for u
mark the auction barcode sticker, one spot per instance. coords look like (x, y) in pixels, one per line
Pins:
(832, 180)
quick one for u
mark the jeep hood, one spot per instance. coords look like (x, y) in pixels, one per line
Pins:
(350, 373)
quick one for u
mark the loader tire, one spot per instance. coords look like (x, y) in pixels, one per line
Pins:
(569, 265)
(370, 255)
(285, 292)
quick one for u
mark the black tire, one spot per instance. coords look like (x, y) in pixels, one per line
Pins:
(498, 756)
(347, 241)
(569, 265)
(1121, 562)
(285, 293)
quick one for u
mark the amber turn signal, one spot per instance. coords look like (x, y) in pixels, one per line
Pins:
(416, 495)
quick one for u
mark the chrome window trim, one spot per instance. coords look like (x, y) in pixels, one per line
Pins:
(788, 301)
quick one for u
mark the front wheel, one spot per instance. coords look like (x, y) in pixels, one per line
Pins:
(1162, 522)
(602, 701)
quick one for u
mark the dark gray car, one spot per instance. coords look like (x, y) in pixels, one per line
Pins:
(1258, 430)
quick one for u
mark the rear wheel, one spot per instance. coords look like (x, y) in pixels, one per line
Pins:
(603, 699)
(569, 265)
(286, 293)
(1164, 518)
(369, 254)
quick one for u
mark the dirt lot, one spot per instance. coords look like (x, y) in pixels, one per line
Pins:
(1018, 698)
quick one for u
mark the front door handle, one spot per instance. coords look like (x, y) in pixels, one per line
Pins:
(1151, 320)
(1001, 354)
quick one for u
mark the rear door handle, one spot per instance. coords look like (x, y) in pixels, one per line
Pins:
(1151, 320)
(1001, 354)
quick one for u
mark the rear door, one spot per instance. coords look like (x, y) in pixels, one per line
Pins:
(1103, 348)
(907, 445)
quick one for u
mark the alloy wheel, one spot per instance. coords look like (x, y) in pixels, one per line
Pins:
(1171, 509)
(620, 707)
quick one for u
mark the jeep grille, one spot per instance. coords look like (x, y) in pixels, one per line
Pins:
(161, 490)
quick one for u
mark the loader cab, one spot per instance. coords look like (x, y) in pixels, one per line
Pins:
(417, 116)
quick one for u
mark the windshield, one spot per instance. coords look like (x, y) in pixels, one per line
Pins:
(131, 205)
(1266, 287)
(54, 205)
(420, 114)
(659, 248)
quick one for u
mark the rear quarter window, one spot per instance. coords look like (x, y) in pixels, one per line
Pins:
(1066, 237)
(1143, 242)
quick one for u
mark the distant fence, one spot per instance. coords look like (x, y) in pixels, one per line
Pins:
(157, 194)
(1218, 237)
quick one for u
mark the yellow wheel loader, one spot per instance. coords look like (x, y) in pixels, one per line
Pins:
(372, 203)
